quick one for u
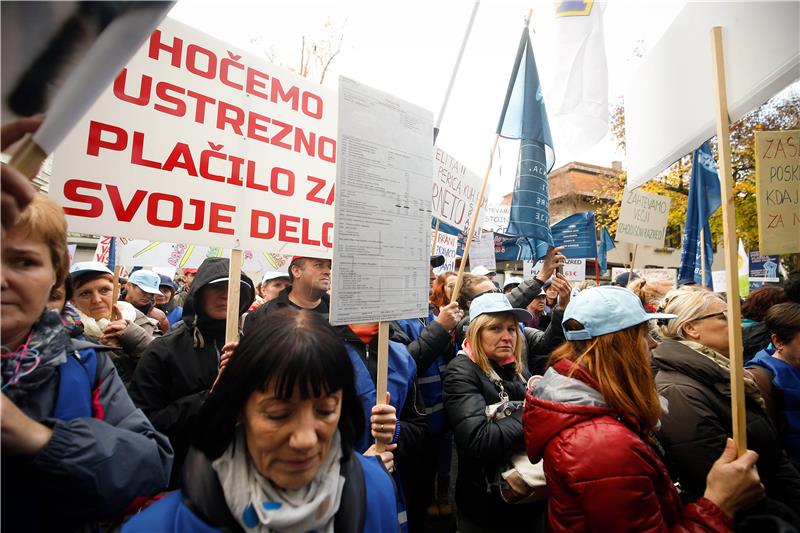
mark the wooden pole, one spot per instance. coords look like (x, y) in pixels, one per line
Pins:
(435, 236)
(702, 258)
(28, 158)
(382, 377)
(471, 230)
(729, 238)
(234, 289)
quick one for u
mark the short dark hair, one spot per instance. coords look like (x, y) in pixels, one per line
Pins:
(760, 301)
(288, 348)
(783, 321)
(297, 262)
(792, 286)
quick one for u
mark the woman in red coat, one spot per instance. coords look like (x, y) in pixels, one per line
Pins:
(591, 416)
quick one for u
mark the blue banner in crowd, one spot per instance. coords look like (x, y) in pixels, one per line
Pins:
(606, 244)
(524, 117)
(704, 199)
(577, 234)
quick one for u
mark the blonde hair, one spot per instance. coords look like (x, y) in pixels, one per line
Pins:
(586, 284)
(687, 304)
(43, 220)
(479, 355)
(651, 292)
(620, 363)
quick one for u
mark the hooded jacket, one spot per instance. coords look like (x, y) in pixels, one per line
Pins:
(699, 420)
(93, 466)
(176, 372)
(601, 473)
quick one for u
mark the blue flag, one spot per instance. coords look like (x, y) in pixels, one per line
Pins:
(577, 234)
(704, 199)
(112, 254)
(606, 244)
(524, 117)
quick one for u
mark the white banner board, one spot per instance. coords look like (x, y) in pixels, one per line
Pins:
(778, 191)
(643, 218)
(668, 116)
(381, 256)
(481, 252)
(669, 274)
(446, 245)
(574, 269)
(455, 191)
(496, 218)
(199, 142)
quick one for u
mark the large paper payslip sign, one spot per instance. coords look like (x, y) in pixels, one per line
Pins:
(446, 245)
(381, 258)
(574, 269)
(455, 191)
(481, 253)
(778, 191)
(198, 142)
(643, 218)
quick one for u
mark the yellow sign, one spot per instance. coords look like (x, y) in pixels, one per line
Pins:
(778, 191)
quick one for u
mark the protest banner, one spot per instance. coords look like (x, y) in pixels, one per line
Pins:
(445, 245)
(382, 209)
(574, 269)
(455, 191)
(719, 280)
(71, 248)
(577, 234)
(496, 218)
(102, 250)
(200, 143)
(669, 274)
(643, 218)
(778, 191)
(763, 268)
(481, 252)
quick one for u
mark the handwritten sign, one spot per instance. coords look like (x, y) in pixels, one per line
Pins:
(643, 218)
(778, 191)
(200, 143)
(455, 191)
(496, 218)
(446, 245)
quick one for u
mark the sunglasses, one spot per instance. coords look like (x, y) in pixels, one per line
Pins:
(722, 315)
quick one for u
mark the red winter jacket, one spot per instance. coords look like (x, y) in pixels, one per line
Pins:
(601, 474)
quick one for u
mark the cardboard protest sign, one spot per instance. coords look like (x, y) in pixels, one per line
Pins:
(778, 191)
(445, 245)
(643, 218)
(496, 218)
(381, 257)
(482, 251)
(102, 250)
(197, 142)
(455, 191)
(574, 269)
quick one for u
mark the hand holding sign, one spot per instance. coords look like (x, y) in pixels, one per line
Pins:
(553, 260)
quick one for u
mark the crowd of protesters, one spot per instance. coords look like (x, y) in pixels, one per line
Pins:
(544, 406)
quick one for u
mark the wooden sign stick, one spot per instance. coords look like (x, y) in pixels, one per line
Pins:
(729, 237)
(702, 258)
(633, 260)
(234, 288)
(435, 237)
(382, 378)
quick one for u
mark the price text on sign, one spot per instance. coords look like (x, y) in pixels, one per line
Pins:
(778, 191)
(197, 142)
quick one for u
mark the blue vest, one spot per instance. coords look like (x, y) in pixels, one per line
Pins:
(76, 383)
(430, 379)
(175, 316)
(171, 515)
(786, 378)
(402, 370)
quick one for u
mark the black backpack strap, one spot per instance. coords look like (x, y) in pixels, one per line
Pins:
(202, 493)
(353, 506)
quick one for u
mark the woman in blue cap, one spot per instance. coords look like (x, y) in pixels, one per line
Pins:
(591, 417)
(483, 391)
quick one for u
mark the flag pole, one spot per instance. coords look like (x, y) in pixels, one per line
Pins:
(731, 250)
(435, 236)
(455, 72)
(702, 257)
(474, 222)
(234, 289)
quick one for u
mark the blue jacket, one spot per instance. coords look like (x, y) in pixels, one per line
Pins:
(785, 378)
(368, 502)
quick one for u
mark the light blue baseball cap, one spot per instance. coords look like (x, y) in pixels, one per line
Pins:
(147, 280)
(495, 302)
(604, 310)
(85, 267)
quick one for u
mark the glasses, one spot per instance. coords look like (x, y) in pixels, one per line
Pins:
(722, 314)
(492, 291)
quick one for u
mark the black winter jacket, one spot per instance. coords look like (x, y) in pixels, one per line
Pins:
(176, 372)
(279, 303)
(483, 446)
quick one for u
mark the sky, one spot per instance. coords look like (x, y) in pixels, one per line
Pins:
(409, 49)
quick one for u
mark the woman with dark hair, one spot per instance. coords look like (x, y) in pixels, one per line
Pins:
(276, 449)
(755, 336)
(591, 417)
(75, 450)
(777, 373)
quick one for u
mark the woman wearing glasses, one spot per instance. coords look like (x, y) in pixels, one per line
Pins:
(693, 374)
